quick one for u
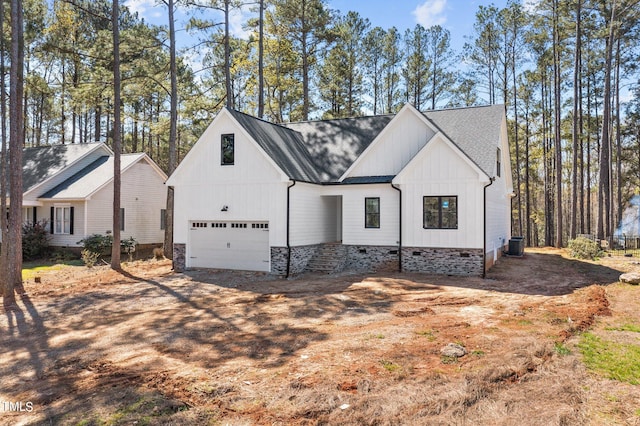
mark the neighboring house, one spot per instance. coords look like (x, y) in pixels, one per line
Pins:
(413, 191)
(71, 188)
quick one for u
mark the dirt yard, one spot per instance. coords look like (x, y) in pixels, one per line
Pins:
(149, 346)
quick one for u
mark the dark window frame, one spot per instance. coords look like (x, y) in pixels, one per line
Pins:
(439, 211)
(498, 162)
(227, 149)
(371, 214)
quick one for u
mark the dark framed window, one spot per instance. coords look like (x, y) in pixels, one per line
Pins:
(163, 219)
(498, 162)
(440, 212)
(372, 212)
(227, 153)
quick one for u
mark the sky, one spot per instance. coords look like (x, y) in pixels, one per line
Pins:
(457, 16)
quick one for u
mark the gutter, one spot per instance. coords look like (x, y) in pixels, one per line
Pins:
(288, 226)
(397, 188)
(484, 220)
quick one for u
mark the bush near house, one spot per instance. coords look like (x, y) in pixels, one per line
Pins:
(101, 244)
(35, 240)
(584, 248)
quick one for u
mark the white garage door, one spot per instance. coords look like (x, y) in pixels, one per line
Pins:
(229, 245)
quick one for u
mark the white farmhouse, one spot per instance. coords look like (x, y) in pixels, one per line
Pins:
(70, 188)
(413, 191)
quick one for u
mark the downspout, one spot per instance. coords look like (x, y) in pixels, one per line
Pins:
(399, 227)
(484, 237)
(288, 224)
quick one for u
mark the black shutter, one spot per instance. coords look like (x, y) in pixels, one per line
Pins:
(71, 220)
(35, 215)
(51, 221)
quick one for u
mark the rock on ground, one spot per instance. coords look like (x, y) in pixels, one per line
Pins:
(630, 278)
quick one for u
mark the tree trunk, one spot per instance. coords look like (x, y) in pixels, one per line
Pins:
(604, 216)
(557, 136)
(3, 155)
(227, 57)
(261, 62)
(619, 206)
(13, 272)
(576, 128)
(173, 132)
(117, 146)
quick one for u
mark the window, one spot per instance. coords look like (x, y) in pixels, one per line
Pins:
(440, 212)
(163, 219)
(498, 162)
(372, 212)
(227, 150)
(122, 219)
(62, 220)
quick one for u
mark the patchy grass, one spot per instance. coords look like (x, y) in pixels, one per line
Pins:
(30, 270)
(390, 366)
(429, 334)
(561, 349)
(625, 327)
(616, 361)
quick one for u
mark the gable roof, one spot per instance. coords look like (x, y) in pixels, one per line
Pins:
(475, 130)
(322, 151)
(283, 145)
(43, 162)
(93, 177)
(335, 144)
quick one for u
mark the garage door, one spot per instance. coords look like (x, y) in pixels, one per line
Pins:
(229, 245)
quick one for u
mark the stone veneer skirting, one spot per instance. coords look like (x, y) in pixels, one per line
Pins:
(442, 261)
(372, 258)
(300, 256)
(364, 258)
(179, 257)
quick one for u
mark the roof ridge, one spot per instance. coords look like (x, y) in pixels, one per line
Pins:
(282, 126)
(462, 108)
(340, 119)
(54, 145)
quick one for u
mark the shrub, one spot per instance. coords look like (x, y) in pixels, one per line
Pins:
(96, 243)
(89, 258)
(584, 248)
(35, 240)
(101, 244)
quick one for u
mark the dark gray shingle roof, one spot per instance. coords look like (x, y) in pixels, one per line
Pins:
(335, 144)
(321, 151)
(475, 130)
(368, 179)
(40, 163)
(283, 145)
(88, 180)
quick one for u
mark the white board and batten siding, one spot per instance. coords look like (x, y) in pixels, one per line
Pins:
(253, 190)
(353, 215)
(313, 216)
(394, 147)
(142, 195)
(441, 171)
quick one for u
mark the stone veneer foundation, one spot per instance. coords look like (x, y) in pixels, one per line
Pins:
(371, 258)
(442, 261)
(300, 256)
(179, 257)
